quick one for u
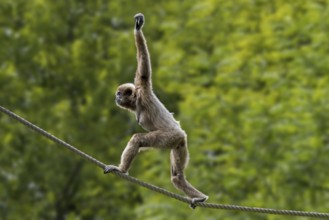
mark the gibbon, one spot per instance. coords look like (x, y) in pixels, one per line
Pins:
(164, 132)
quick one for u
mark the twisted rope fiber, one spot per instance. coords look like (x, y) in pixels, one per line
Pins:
(158, 189)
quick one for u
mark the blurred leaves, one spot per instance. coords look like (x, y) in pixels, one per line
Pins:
(248, 81)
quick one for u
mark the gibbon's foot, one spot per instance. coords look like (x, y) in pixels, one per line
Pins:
(139, 21)
(111, 168)
(196, 200)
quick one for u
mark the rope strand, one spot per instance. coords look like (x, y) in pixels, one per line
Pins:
(158, 189)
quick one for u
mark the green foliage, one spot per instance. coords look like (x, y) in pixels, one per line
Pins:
(248, 79)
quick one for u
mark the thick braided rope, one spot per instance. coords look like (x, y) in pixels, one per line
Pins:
(51, 137)
(158, 189)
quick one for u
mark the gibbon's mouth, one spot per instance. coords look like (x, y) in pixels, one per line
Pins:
(117, 100)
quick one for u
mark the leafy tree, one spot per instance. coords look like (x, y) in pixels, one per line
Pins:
(247, 79)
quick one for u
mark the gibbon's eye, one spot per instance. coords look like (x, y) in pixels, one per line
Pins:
(128, 92)
(118, 93)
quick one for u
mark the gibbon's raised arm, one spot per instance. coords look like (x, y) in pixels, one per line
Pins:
(143, 76)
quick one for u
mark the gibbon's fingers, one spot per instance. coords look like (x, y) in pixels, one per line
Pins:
(139, 21)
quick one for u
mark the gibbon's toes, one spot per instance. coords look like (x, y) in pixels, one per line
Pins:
(139, 21)
(110, 168)
(196, 200)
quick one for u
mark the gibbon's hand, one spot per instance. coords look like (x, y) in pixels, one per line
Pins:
(139, 21)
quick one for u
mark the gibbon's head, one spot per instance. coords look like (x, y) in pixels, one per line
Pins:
(125, 96)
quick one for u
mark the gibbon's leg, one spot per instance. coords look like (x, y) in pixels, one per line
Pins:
(179, 159)
(156, 139)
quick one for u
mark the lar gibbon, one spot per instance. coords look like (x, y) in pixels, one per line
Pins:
(164, 132)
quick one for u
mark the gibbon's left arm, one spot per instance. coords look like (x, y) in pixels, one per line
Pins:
(143, 76)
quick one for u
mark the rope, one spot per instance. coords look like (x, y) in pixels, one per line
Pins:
(158, 189)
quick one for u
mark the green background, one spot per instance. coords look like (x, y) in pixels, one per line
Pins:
(247, 79)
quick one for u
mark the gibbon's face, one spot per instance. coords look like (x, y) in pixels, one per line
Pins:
(125, 96)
